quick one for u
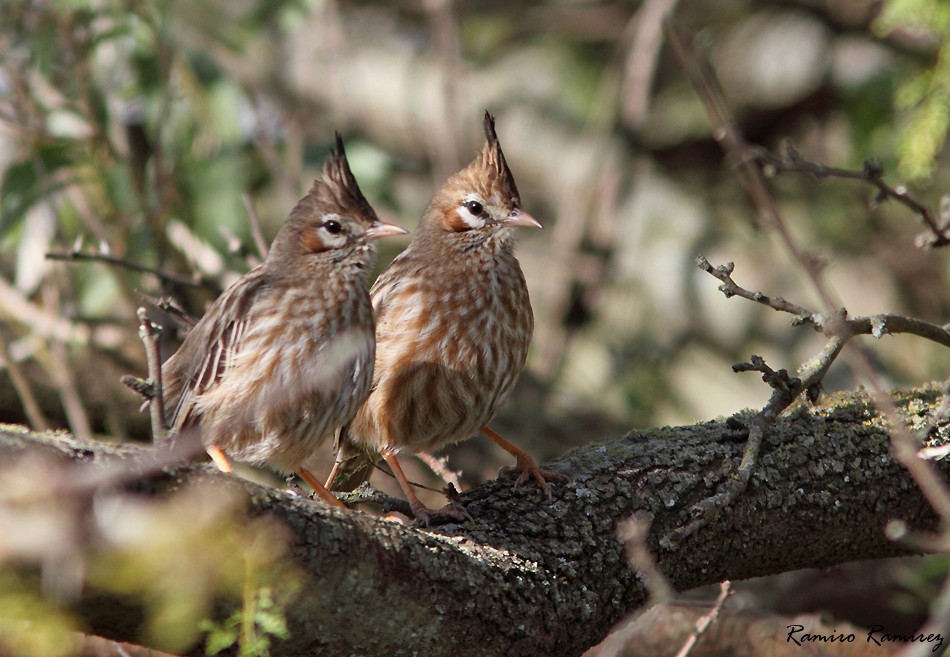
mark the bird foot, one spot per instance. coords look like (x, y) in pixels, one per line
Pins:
(526, 469)
(453, 512)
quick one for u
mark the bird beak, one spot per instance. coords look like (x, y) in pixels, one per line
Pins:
(382, 229)
(520, 218)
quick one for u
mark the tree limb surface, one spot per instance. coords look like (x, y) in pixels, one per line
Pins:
(533, 577)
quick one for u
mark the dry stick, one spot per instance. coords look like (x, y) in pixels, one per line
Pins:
(151, 333)
(705, 621)
(23, 390)
(76, 256)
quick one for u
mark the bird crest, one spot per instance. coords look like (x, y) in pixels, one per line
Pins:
(493, 160)
(339, 191)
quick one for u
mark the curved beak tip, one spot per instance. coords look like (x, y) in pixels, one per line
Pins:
(522, 220)
(383, 229)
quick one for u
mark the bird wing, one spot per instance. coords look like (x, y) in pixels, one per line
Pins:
(395, 299)
(210, 347)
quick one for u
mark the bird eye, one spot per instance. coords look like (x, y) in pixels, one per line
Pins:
(474, 207)
(333, 226)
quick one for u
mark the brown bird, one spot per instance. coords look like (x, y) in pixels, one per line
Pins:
(453, 325)
(284, 356)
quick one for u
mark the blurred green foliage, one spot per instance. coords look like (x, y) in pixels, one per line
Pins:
(925, 97)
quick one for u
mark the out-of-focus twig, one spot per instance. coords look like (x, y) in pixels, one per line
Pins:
(86, 480)
(938, 234)
(443, 31)
(633, 534)
(706, 620)
(255, 223)
(54, 357)
(21, 385)
(640, 65)
(439, 466)
(17, 309)
(169, 277)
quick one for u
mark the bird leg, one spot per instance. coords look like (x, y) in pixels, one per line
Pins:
(525, 466)
(318, 488)
(220, 459)
(449, 513)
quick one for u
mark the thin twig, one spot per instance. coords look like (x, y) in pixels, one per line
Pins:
(872, 173)
(633, 533)
(439, 465)
(706, 620)
(151, 333)
(21, 385)
(874, 325)
(255, 224)
(168, 277)
(168, 305)
(365, 493)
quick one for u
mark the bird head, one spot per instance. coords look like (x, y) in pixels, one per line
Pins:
(481, 200)
(334, 218)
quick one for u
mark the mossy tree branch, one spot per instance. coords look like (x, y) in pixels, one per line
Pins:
(529, 577)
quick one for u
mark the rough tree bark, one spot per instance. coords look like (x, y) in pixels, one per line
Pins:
(529, 577)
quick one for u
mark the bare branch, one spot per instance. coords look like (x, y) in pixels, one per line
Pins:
(938, 233)
(730, 288)
(837, 322)
(151, 333)
(725, 131)
(168, 277)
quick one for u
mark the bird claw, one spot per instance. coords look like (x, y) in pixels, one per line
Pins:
(453, 512)
(529, 470)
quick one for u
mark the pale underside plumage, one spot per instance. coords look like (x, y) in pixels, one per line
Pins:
(268, 386)
(427, 393)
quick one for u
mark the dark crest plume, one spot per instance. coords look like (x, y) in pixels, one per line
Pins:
(340, 189)
(494, 159)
